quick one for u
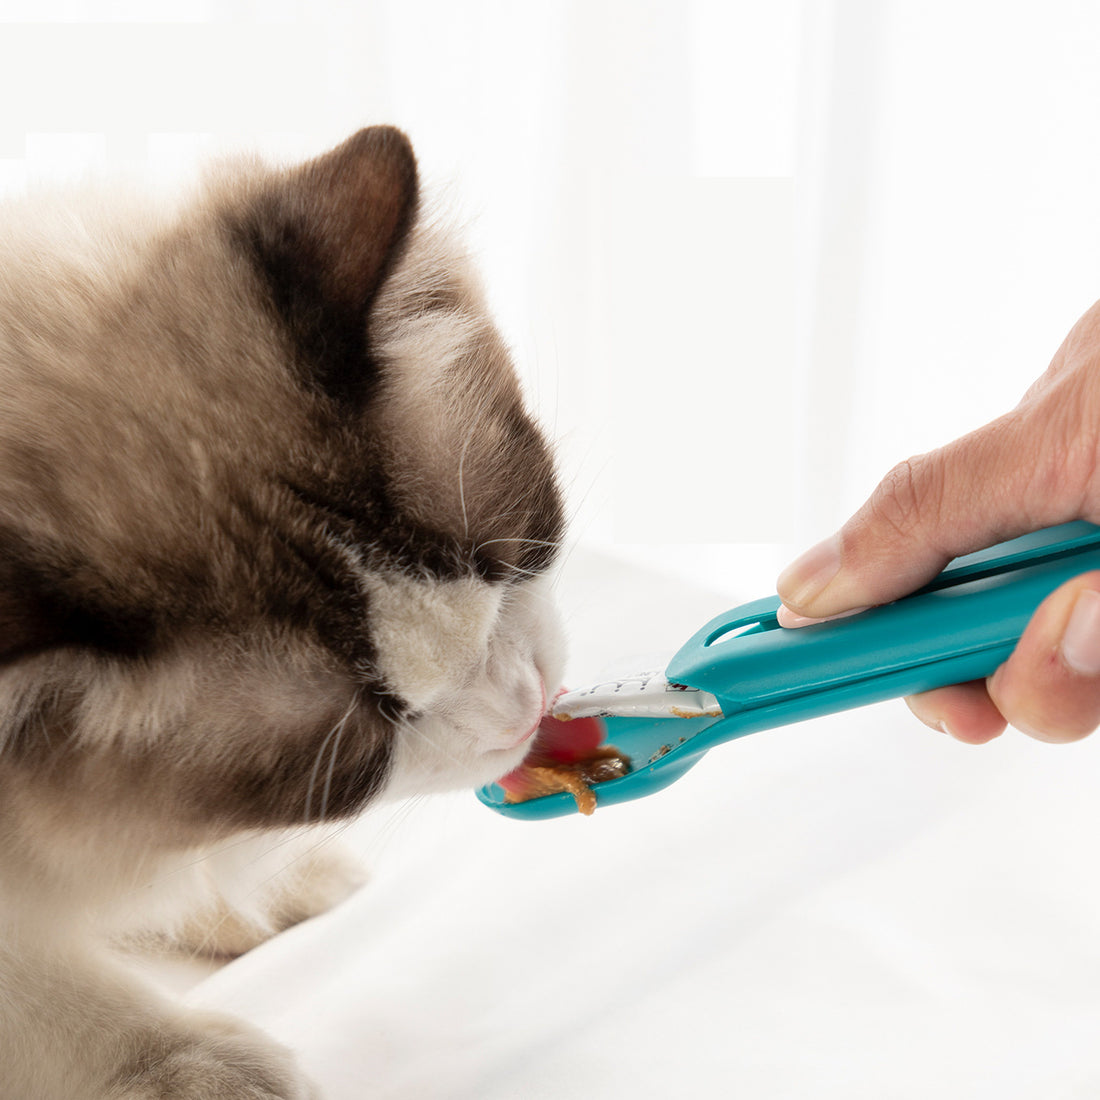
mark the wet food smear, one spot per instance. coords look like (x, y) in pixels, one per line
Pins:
(567, 757)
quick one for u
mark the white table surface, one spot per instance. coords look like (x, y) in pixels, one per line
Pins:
(852, 907)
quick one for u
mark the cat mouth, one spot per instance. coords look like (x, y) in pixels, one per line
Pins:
(543, 714)
(565, 756)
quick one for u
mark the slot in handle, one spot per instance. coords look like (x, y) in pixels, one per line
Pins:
(960, 626)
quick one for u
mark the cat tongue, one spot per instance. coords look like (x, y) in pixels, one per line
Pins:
(560, 742)
(555, 744)
(568, 757)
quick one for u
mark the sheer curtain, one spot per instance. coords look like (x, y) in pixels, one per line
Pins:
(625, 171)
(954, 224)
(749, 255)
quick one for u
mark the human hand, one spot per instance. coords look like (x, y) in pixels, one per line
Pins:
(1037, 466)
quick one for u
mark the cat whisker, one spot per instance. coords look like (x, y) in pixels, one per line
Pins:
(570, 547)
(519, 571)
(521, 509)
(211, 853)
(398, 814)
(327, 838)
(200, 949)
(553, 544)
(461, 486)
(332, 760)
(407, 726)
(334, 732)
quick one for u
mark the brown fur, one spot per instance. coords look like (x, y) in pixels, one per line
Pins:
(271, 519)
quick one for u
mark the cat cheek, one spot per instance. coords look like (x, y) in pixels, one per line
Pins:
(479, 737)
(502, 708)
(532, 729)
(526, 723)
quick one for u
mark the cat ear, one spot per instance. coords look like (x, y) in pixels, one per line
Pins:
(322, 238)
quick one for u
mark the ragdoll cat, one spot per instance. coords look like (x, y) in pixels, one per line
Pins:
(273, 528)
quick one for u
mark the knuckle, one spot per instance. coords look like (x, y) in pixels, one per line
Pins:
(1064, 435)
(1063, 473)
(904, 497)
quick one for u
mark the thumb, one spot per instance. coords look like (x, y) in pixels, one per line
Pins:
(1050, 686)
(1004, 480)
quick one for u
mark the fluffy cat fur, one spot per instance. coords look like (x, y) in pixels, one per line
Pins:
(273, 523)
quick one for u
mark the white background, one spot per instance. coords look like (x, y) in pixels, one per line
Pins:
(749, 255)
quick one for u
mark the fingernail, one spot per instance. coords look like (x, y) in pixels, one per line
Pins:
(1081, 641)
(789, 618)
(805, 577)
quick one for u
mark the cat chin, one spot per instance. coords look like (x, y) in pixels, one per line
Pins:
(432, 761)
(414, 774)
(477, 705)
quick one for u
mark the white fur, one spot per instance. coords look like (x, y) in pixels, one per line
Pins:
(484, 703)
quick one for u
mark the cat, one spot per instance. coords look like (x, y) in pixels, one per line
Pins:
(275, 534)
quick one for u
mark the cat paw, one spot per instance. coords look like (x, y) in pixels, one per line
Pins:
(318, 882)
(216, 1058)
(297, 881)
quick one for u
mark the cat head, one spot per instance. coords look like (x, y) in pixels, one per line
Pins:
(274, 521)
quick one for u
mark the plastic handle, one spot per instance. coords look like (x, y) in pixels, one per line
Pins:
(960, 627)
